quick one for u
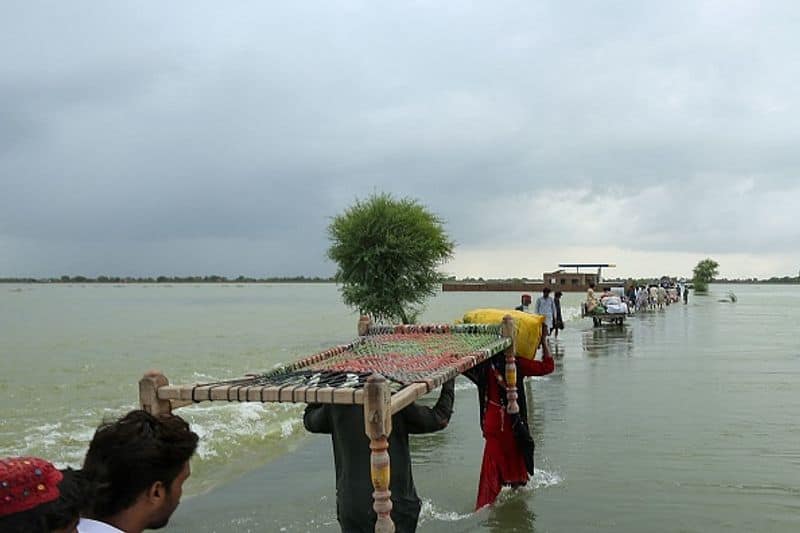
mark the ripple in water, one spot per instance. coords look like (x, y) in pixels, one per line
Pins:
(429, 511)
(540, 479)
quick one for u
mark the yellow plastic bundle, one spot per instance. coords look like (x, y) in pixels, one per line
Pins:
(527, 327)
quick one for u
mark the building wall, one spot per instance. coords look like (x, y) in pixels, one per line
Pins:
(557, 281)
(480, 286)
(569, 281)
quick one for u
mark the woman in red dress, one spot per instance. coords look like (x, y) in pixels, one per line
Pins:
(508, 453)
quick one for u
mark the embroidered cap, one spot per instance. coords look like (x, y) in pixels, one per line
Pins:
(25, 483)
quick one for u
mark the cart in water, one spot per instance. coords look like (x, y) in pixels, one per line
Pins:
(599, 315)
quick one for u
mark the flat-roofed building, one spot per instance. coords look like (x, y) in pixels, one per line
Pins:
(560, 280)
(569, 281)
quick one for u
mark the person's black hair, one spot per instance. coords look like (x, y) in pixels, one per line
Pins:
(546, 289)
(30, 521)
(74, 495)
(558, 294)
(591, 285)
(127, 456)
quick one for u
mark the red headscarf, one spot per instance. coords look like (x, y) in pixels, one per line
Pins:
(25, 483)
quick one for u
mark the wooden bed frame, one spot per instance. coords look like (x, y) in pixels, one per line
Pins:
(157, 396)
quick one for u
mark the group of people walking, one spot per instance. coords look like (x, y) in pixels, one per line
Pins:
(656, 296)
(635, 298)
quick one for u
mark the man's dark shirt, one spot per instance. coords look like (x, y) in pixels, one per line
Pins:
(345, 424)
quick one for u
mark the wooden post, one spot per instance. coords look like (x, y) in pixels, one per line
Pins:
(148, 393)
(363, 325)
(511, 366)
(378, 426)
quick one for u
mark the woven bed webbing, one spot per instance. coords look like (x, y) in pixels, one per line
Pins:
(403, 354)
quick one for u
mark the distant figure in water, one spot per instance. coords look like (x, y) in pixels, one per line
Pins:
(641, 298)
(525, 303)
(730, 299)
(653, 290)
(591, 299)
(559, 321)
(546, 306)
(662, 297)
(686, 295)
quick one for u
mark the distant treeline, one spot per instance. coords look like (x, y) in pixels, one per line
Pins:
(316, 279)
(454, 279)
(743, 281)
(777, 281)
(622, 281)
(619, 281)
(169, 279)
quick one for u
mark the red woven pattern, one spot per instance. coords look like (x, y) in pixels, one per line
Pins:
(411, 357)
(429, 354)
(391, 362)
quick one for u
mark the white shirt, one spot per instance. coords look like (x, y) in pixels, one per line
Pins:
(87, 525)
(546, 307)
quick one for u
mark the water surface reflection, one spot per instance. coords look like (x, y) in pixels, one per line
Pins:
(611, 340)
(513, 514)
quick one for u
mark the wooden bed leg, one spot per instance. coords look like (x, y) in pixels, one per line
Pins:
(148, 393)
(378, 426)
(511, 367)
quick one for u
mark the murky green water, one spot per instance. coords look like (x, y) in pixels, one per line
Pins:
(685, 420)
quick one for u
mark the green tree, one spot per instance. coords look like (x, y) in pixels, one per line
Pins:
(388, 252)
(705, 271)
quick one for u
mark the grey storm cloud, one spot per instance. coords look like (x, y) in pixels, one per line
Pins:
(177, 137)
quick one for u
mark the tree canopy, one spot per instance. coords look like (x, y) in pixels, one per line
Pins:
(705, 271)
(388, 252)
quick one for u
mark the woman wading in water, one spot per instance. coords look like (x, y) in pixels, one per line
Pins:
(508, 452)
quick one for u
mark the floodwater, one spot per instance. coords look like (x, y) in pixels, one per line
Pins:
(683, 420)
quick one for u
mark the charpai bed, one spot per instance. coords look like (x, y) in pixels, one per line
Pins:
(385, 369)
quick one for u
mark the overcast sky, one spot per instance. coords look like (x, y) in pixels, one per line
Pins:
(141, 138)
